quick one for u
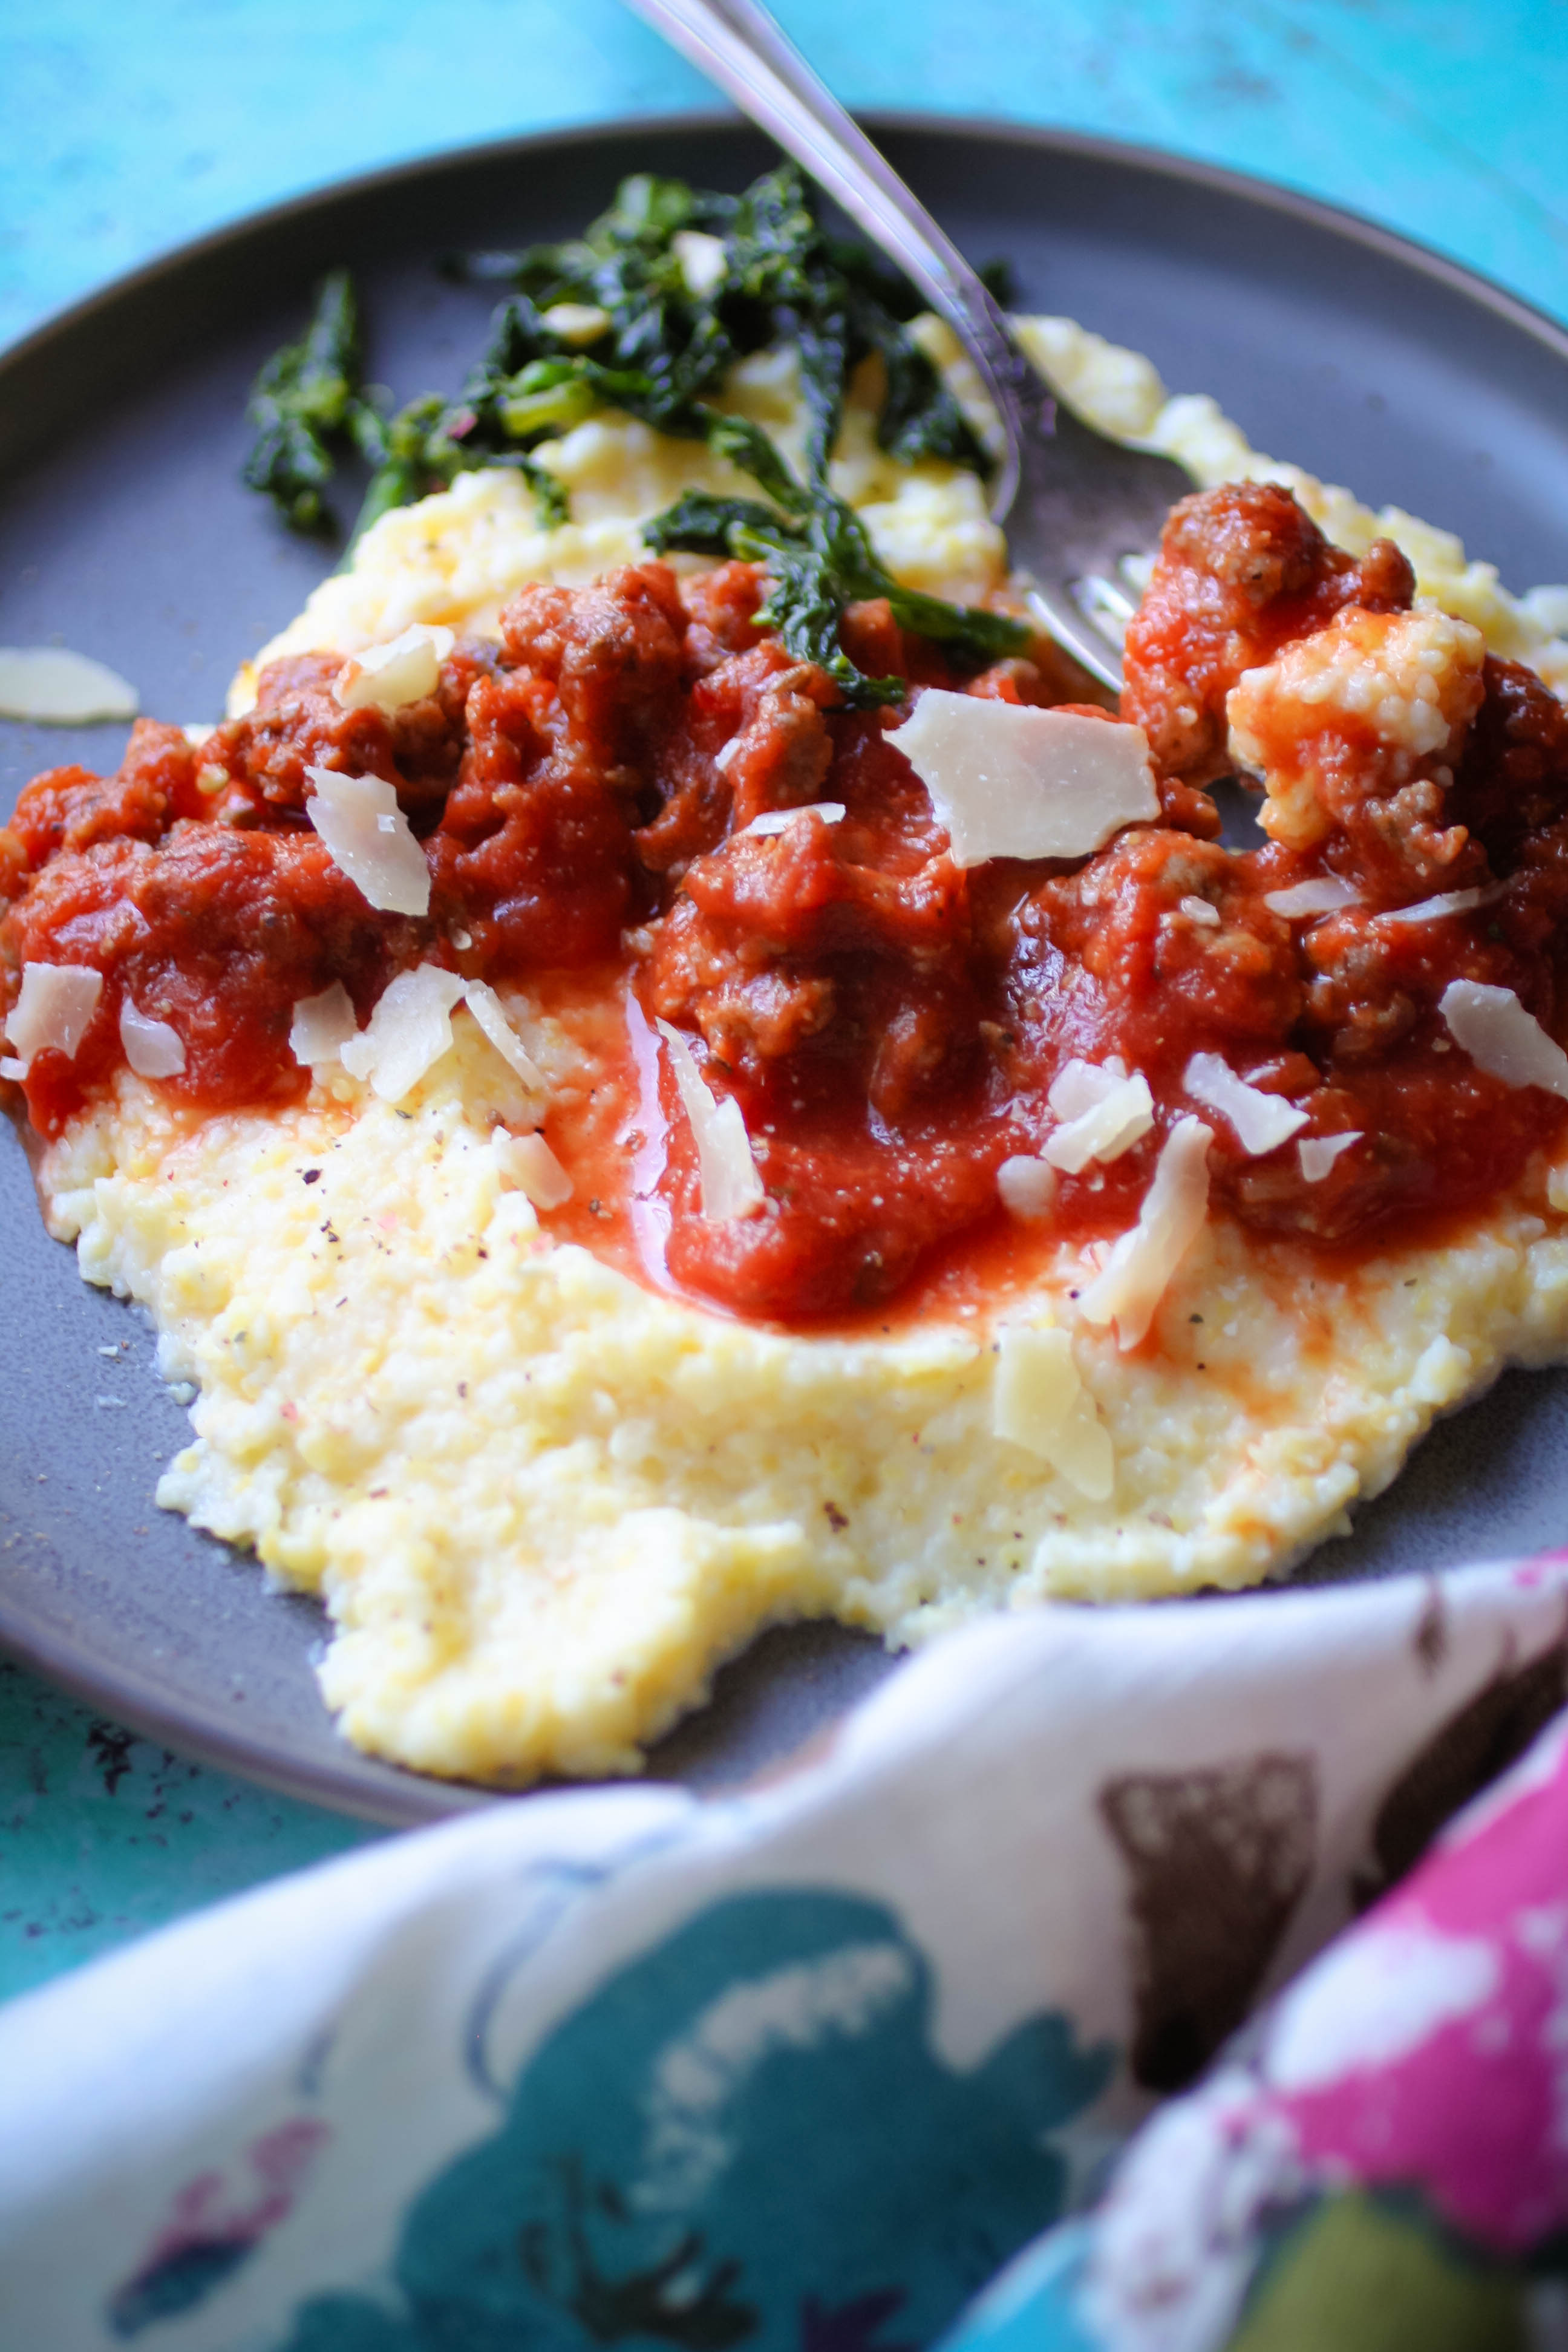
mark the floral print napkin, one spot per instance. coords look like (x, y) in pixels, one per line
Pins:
(1385, 2162)
(801, 2069)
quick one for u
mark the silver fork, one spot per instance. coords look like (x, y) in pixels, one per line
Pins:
(1076, 505)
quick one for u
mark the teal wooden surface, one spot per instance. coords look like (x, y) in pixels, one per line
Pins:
(103, 1835)
(126, 128)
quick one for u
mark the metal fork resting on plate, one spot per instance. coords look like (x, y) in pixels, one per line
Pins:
(1076, 505)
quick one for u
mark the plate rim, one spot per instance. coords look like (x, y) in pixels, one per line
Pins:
(419, 1799)
(37, 342)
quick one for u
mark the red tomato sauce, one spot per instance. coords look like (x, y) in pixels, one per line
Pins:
(889, 1024)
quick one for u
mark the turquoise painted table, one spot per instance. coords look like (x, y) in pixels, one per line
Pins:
(126, 129)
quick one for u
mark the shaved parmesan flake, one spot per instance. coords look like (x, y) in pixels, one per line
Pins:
(702, 260)
(10, 1067)
(731, 1184)
(323, 1026)
(409, 1031)
(50, 687)
(388, 676)
(576, 322)
(1199, 910)
(1027, 1187)
(1448, 902)
(54, 1005)
(1325, 893)
(1041, 1404)
(1008, 780)
(530, 1163)
(1103, 1112)
(1318, 1153)
(1138, 1272)
(490, 1014)
(1501, 1038)
(780, 820)
(153, 1048)
(367, 838)
(1262, 1122)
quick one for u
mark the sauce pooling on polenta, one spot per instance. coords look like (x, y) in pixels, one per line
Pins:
(889, 1024)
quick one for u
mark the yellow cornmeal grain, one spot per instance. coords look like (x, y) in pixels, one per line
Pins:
(543, 1503)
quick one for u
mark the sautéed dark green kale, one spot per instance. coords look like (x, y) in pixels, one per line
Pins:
(619, 317)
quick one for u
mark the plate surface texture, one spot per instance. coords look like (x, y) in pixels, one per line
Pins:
(124, 533)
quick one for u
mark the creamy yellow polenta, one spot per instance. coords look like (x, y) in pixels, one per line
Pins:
(541, 1501)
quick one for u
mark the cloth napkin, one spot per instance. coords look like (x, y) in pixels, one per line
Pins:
(1383, 2163)
(801, 2069)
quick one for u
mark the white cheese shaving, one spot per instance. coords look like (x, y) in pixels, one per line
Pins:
(1138, 1272)
(408, 1033)
(323, 1026)
(780, 820)
(1008, 780)
(1501, 1038)
(1448, 902)
(490, 1014)
(1199, 910)
(702, 260)
(1325, 893)
(1262, 1122)
(1040, 1402)
(50, 687)
(576, 322)
(367, 838)
(53, 1006)
(387, 677)
(153, 1048)
(1027, 1188)
(532, 1167)
(728, 1173)
(727, 751)
(1103, 1113)
(1318, 1153)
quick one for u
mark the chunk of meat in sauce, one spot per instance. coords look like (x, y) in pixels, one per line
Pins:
(1511, 784)
(69, 809)
(252, 768)
(613, 653)
(752, 738)
(218, 932)
(773, 934)
(1241, 572)
(534, 853)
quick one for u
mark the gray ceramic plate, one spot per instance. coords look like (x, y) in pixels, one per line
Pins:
(124, 533)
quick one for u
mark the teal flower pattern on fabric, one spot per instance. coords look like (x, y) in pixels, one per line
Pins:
(745, 2137)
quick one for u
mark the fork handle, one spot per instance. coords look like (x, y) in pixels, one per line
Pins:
(737, 45)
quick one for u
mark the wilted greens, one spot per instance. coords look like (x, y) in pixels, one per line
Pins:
(647, 313)
(306, 406)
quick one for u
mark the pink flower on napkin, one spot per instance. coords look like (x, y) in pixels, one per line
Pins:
(1429, 2047)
